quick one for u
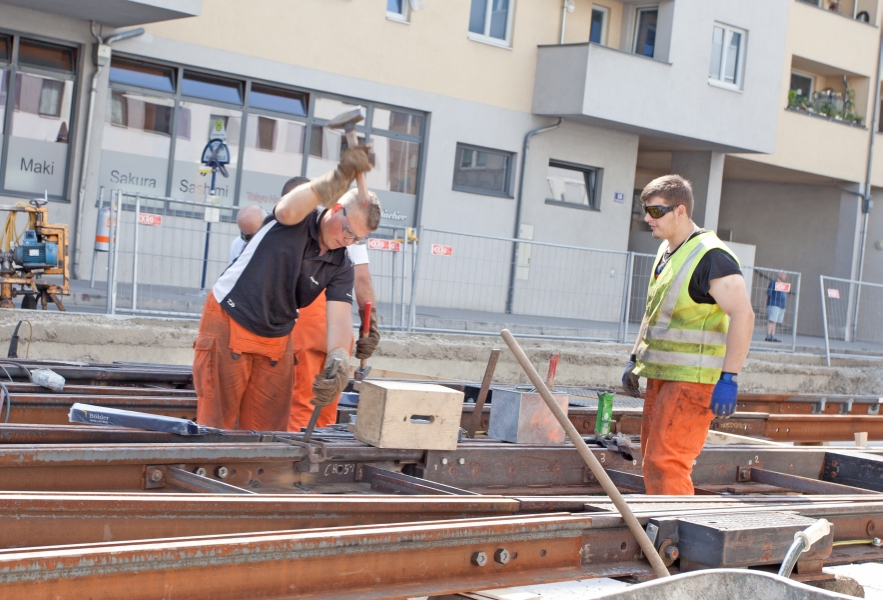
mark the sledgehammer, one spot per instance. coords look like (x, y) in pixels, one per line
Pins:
(362, 372)
(599, 472)
(347, 121)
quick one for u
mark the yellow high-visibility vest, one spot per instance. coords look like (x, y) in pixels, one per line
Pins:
(683, 341)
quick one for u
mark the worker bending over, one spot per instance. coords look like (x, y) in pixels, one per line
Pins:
(243, 367)
(250, 219)
(311, 331)
(693, 339)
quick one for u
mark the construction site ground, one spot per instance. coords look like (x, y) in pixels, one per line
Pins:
(105, 338)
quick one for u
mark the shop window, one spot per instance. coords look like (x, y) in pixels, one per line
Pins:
(137, 74)
(482, 171)
(5, 48)
(211, 88)
(572, 185)
(266, 134)
(276, 100)
(400, 122)
(46, 56)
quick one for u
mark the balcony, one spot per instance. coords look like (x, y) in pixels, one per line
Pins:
(828, 92)
(115, 13)
(603, 86)
(863, 11)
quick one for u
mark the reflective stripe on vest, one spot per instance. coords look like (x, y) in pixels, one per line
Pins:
(684, 340)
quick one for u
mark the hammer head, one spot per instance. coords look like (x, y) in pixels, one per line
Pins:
(348, 119)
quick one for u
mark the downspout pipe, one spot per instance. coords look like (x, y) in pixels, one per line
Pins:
(510, 298)
(867, 201)
(100, 58)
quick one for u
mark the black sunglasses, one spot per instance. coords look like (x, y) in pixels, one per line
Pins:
(658, 211)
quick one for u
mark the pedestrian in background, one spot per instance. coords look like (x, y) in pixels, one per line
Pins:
(775, 306)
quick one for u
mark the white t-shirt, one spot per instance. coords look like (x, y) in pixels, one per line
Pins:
(236, 248)
(358, 253)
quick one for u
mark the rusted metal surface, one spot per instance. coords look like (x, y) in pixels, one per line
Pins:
(34, 519)
(378, 561)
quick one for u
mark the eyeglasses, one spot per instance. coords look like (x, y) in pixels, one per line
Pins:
(347, 232)
(658, 211)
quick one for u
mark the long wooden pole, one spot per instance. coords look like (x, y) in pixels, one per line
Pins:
(600, 474)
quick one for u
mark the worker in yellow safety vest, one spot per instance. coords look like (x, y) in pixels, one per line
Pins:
(693, 339)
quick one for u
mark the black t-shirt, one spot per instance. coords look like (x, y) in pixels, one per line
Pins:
(716, 263)
(280, 271)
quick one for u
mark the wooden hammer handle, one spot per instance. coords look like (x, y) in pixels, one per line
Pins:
(352, 141)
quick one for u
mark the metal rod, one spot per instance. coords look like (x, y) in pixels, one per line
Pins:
(135, 253)
(482, 393)
(412, 316)
(796, 309)
(595, 466)
(624, 334)
(825, 320)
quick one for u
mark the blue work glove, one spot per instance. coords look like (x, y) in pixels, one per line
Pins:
(723, 398)
(630, 384)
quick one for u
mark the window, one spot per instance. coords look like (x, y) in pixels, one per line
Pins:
(802, 85)
(266, 134)
(598, 33)
(139, 74)
(572, 185)
(490, 20)
(397, 10)
(482, 171)
(36, 145)
(282, 101)
(727, 51)
(211, 88)
(645, 31)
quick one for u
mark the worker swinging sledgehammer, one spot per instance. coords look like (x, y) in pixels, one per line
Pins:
(244, 360)
(693, 340)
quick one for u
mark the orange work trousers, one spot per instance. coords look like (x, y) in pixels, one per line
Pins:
(674, 425)
(242, 380)
(310, 337)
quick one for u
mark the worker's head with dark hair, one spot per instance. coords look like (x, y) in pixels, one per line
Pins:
(673, 189)
(293, 183)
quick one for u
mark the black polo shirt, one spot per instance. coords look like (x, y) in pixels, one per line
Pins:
(279, 271)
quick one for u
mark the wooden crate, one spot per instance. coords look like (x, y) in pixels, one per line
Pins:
(400, 414)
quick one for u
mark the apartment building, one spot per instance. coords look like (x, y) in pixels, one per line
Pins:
(537, 119)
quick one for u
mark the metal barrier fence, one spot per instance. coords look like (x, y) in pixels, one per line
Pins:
(762, 292)
(852, 311)
(166, 253)
(478, 284)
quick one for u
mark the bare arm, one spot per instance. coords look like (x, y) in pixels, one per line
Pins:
(640, 335)
(297, 204)
(339, 319)
(730, 294)
(364, 286)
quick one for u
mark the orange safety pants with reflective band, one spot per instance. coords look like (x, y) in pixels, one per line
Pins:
(674, 425)
(248, 392)
(310, 347)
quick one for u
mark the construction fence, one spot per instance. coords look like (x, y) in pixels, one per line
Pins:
(166, 253)
(853, 313)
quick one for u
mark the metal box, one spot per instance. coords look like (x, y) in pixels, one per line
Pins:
(412, 416)
(524, 418)
(744, 539)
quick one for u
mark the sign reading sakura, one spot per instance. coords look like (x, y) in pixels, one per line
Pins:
(781, 286)
(149, 219)
(378, 244)
(833, 293)
(439, 250)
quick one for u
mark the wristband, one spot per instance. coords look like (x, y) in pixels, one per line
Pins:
(633, 358)
(729, 377)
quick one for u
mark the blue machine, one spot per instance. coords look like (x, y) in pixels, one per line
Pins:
(33, 254)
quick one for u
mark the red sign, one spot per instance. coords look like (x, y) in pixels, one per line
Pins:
(833, 293)
(377, 244)
(781, 286)
(149, 219)
(440, 250)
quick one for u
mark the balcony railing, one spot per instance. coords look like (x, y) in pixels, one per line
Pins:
(836, 106)
(846, 8)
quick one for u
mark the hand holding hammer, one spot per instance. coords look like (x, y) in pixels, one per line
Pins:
(347, 121)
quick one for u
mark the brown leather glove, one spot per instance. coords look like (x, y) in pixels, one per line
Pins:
(331, 186)
(327, 387)
(365, 346)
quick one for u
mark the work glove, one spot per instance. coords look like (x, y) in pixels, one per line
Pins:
(723, 398)
(327, 387)
(365, 346)
(630, 383)
(334, 184)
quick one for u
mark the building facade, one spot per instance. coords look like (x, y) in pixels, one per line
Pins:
(536, 119)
